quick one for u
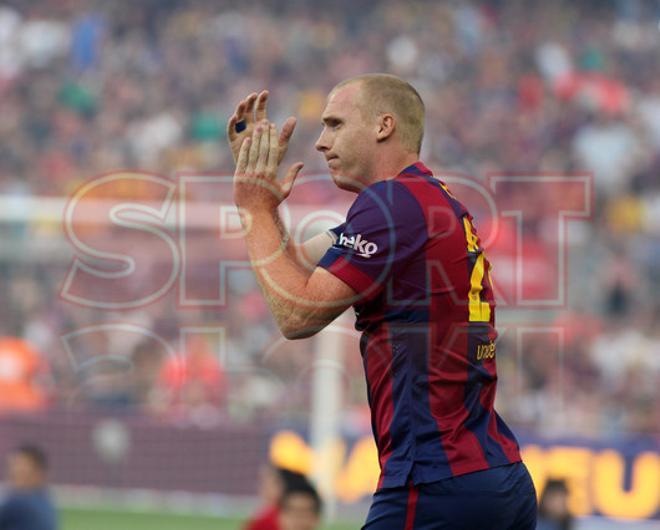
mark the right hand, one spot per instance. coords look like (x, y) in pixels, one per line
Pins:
(252, 110)
(256, 186)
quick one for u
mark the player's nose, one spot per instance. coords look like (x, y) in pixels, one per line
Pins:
(322, 143)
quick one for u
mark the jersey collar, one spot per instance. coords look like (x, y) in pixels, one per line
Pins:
(417, 169)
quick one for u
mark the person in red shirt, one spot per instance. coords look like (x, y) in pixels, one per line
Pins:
(194, 383)
(20, 365)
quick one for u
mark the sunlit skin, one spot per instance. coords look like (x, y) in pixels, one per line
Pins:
(361, 148)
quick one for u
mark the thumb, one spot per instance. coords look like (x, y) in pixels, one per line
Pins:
(290, 178)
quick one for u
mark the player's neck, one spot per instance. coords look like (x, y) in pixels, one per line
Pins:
(388, 167)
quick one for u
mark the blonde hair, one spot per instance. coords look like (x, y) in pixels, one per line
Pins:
(385, 93)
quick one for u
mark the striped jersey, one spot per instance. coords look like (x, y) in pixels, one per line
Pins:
(426, 311)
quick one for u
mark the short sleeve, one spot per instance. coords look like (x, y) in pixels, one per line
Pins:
(384, 229)
(334, 232)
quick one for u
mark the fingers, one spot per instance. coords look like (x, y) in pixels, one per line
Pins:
(258, 160)
(261, 103)
(273, 152)
(240, 110)
(287, 131)
(242, 163)
(231, 128)
(254, 150)
(238, 116)
(263, 131)
(248, 112)
(290, 178)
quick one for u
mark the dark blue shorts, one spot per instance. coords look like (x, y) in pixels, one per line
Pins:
(501, 498)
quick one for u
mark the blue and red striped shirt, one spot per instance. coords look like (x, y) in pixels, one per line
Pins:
(427, 316)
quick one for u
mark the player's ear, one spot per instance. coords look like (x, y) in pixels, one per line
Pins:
(386, 126)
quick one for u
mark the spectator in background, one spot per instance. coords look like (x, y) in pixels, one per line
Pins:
(553, 508)
(28, 505)
(274, 482)
(20, 364)
(194, 384)
(300, 508)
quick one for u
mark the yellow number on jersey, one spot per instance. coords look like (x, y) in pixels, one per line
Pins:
(479, 311)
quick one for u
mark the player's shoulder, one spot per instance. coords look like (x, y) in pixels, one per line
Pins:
(383, 194)
(388, 203)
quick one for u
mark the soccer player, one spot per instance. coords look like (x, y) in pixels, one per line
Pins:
(28, 505)
(409, 260)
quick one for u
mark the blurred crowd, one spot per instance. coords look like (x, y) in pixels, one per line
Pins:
(517, 87)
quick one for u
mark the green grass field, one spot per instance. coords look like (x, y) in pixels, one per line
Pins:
(71, 519)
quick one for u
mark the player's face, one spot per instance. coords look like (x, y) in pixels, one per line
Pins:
(298, 513)
(347, 140)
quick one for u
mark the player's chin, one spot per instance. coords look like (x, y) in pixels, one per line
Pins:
(337, 176)
(344, 182)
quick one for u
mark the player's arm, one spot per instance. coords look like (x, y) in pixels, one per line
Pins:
(302, 301)
(311, 251)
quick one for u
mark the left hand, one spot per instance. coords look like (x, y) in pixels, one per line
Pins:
(255, 180)
(250, 111)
